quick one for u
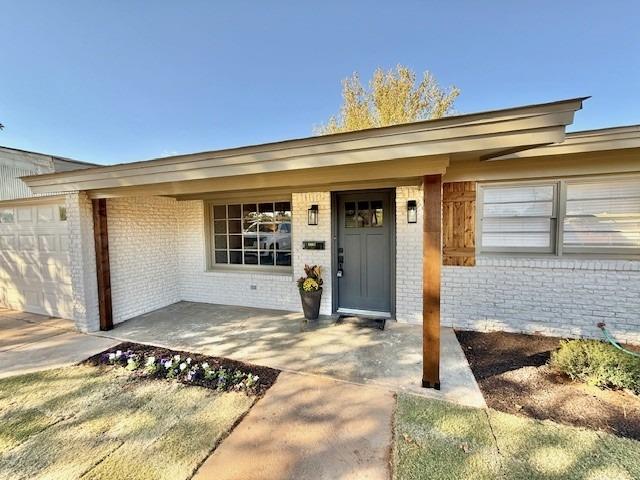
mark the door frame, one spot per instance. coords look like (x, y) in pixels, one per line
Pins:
(335, 301)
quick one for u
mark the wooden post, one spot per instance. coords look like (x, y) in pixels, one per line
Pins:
(431, 260)
(101, 239)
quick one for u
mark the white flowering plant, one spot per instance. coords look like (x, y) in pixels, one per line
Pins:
(185, 370)
(133, 362)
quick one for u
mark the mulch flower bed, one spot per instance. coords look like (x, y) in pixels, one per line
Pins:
(513, 374)
(220, 374)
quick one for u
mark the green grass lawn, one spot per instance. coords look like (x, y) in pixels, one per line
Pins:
(438, 440)
(96, 423)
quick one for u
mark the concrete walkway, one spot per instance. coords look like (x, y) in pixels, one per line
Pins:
(30, 342)
(391, 359)
(308, 427)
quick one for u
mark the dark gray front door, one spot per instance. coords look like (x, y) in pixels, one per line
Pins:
(364, 252)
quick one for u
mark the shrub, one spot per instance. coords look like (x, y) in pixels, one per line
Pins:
(598, 363)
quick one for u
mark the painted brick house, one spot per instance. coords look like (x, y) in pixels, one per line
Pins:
(34, 256)
(494, 221)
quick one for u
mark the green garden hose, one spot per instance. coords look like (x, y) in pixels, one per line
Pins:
(612, 341)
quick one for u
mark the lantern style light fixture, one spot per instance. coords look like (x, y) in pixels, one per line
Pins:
(313, 215)
(412, 211)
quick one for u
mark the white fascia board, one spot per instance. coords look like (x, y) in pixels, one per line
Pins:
(506, 140)
(588, 141)
(382, 144)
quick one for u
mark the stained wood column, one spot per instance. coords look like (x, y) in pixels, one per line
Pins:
(431, 260)
(101, 239)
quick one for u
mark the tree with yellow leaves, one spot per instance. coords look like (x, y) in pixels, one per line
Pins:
(393, 97)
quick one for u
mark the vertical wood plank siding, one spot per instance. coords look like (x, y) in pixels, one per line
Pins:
(431, 261)
(11, 186)
(101, 239)
(459, 224)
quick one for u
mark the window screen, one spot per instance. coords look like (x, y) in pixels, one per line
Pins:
(602, 216)
(255, 234)
(520, 218)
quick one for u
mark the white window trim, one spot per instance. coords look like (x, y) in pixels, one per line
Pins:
(586, 250)
(212, 266)
(550, 250)
(560, 208)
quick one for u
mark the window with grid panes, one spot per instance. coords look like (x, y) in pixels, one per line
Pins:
(256, 234)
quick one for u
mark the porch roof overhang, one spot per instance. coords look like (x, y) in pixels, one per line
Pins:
(614, 138)
(387, 153)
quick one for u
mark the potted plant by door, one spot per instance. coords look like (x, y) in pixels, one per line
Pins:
(310, 287)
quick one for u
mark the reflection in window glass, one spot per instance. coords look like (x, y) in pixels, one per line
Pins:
(283, 211)
(520, 218)
(265, 211)
(7, 215)
(251, 257)
(250, 241)
(62, 213)
(220, 211)
(220, 226)
(283, 258)
(350, 215)
(220, 242)
(363, 216)
(235, 226)
(377, 219)
(602, 216)
(252, 234)
(235, 241)
(235, 211)
(235, 257)
(267, 257)
(249, 212)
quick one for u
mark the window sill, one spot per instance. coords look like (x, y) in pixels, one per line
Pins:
(575, 255)
(566, 262)
(280, 272)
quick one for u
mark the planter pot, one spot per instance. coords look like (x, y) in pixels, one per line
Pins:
(311, 304)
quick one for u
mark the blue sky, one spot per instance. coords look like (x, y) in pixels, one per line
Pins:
(127, 80)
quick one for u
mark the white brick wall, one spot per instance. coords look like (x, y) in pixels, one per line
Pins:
(143, 254)
(275, 291)
(253, 289)
(157, 257)
(551, 296)
(82, 262)
(157, 249)
(321, 232)
(408, 257)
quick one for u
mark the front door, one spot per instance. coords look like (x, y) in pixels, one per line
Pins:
(364, 253)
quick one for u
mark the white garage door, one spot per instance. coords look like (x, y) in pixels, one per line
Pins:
(34, 259)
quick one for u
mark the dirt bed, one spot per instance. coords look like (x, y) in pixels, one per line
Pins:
(267, 375)
(514, 377)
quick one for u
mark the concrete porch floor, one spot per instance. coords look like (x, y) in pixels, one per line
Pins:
(391, 358)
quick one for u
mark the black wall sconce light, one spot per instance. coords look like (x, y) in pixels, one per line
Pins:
(412, 211)
(313, 215)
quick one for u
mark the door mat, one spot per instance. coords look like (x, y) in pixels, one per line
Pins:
(365, 322)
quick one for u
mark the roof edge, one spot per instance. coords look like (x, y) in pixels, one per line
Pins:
(601, 139)
(53, 157)
(470, 119)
